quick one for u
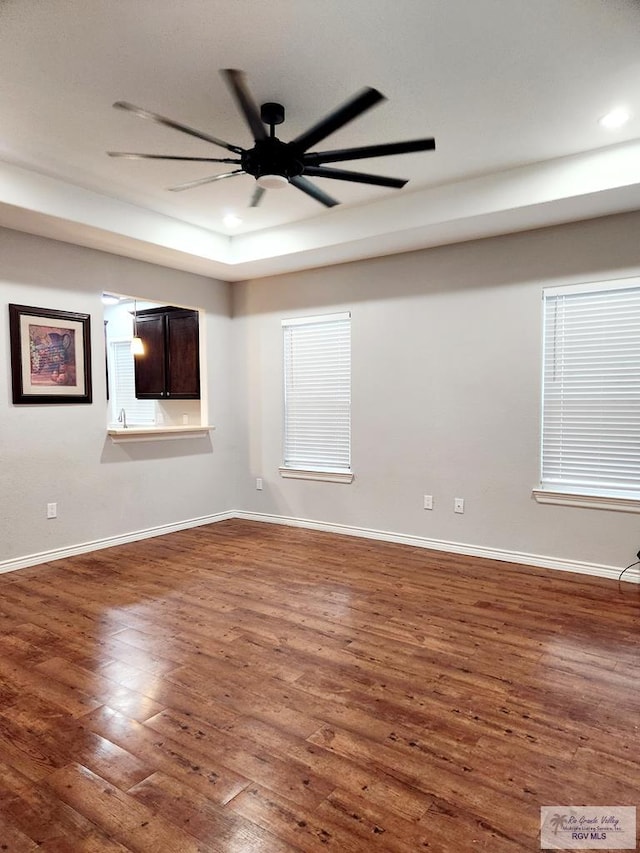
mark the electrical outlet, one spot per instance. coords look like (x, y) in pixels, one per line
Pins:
(259, 483)
(52, 510)
(428, 501)
(458, 504)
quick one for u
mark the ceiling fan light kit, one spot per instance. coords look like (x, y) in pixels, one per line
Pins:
(275, 164)
(272, 182)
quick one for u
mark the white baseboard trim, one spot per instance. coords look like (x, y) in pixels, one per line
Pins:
(595, 569)
(109, 542)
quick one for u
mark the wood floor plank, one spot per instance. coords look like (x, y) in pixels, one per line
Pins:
(221, 829)
(70, 634)
(246, 686)
(9, 693)
(381, 828)
(272, 700)
(297, 826)
(375, 788)
(288, 776)
(451, 826)
(187, 701)
(51, 824)
(32, 682)
(27, 752)
(209, 777)
(100, 690)
(14, 841)
(444, 779)
(12, 783)
(119, 816)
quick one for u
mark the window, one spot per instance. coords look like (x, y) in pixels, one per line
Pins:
(123, 388)
(317, 397)
(591, 393)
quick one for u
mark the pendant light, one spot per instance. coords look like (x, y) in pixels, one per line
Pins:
(137, 346)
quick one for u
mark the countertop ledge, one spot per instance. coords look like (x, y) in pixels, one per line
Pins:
(158, 433)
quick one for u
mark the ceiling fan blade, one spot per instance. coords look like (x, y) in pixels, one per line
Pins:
(315, 158)
(256, 198)
(179, 187)
(237, 82)
(356, 177)
(339, 117)
(308, 188)
(129, 155)
(168, 122)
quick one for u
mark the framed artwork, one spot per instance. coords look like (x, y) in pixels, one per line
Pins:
(50, 355)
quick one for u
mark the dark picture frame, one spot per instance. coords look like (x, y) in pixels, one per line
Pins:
(50, 355)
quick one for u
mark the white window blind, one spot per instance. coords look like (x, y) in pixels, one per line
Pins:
(317, 393)
(123, 387)
(591, 389)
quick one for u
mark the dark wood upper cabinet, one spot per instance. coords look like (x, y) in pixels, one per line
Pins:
(150, 368)
(170, 366)
(183, 355)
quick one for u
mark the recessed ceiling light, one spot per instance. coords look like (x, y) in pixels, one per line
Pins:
(615, 118)
(231, 220)
(110, 299)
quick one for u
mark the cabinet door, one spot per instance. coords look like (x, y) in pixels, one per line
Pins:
(183, 356)
(150, 368)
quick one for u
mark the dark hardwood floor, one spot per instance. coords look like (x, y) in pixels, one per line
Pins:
(246, 687)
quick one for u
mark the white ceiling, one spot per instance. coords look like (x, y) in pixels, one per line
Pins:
(511, 89)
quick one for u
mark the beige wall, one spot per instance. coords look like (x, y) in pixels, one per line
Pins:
(446, 399)
(62, 453)
(446, 349)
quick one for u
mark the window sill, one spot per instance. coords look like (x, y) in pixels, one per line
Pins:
(618, 503)
(324, 476)
(156, 433)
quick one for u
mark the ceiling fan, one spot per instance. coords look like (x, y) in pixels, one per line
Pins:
(274, 163)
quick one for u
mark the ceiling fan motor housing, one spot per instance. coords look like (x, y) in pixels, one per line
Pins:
(272, 157)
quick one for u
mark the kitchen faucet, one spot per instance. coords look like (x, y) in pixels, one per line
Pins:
(122, 418)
